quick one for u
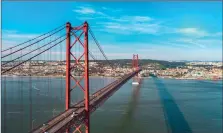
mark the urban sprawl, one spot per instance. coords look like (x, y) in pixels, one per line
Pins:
(189, 70)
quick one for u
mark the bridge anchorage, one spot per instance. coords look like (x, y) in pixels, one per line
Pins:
(76, 116)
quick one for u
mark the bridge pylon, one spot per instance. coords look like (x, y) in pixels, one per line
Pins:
(83, 56)
(135, 66)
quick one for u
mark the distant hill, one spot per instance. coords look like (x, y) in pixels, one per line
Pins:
(142, 62)
(164, 64)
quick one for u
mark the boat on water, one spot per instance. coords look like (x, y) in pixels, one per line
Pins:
(135, 83)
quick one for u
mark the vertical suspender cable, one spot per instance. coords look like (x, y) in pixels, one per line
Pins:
(30, 94)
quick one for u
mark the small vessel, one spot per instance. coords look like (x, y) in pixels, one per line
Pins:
(135, 83)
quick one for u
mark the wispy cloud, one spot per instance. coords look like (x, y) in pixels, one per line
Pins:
(153, 52)
(197, 33)
(141, 18)
(13, 34)
(202, 43)
(191, 41)
(127, 24)
(132, 28)
(130, 24)
(177, 45)
(111, 9)
(9, 31)
(147, 25)
(87, 10)
(24, 36)
(119, 24)
(131, 18)
(192, 32)
(12, 37)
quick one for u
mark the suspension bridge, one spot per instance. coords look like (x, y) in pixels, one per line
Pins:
(66, 51)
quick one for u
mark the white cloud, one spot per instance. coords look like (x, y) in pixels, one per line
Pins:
(153, 52)
(137, 18)
(210, 42)
(202, 43)
(13, 34)
(122, 25)
(9, 31)
(192, 32)
(132, 19)
(198, 44)
(195, 32)
(24, 36)
(111, 9)
(12, 38)
(85, 18)
(131, 28)
(188, 30)
(139, 24)
(193, 46)
(87, 10)
(171, 50)
(175, 44)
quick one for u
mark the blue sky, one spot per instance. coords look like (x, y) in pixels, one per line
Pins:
(154, 30)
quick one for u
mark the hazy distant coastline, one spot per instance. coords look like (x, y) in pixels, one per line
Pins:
(33, 76)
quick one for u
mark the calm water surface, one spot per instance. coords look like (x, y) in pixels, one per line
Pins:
(156, 106)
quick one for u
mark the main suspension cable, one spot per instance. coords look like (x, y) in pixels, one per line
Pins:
(32, 51)
(31, 44)
(32, 39)
(96, 42)
(32, 57)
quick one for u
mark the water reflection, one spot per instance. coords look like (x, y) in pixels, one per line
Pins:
(127, 119)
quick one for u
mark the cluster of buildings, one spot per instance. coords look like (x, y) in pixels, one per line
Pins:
(191, 70)
(218, 64)
(56, 68)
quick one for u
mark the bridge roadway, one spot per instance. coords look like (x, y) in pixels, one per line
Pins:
(64, 120)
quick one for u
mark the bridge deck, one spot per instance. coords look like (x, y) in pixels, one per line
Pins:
(64, 120)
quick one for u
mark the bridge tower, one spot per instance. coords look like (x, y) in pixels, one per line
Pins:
(135, 67)
(70, 32)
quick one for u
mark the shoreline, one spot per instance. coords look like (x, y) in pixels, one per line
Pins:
(16, 76)
(187, 78)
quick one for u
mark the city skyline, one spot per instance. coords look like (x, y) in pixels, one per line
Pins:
(154, 30)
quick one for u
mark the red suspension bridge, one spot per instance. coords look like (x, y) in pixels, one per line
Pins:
(44, 56)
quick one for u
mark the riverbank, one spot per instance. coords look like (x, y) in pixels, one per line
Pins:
(57, 76)
(184, 78)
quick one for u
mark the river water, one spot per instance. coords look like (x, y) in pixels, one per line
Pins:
(156, 106)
